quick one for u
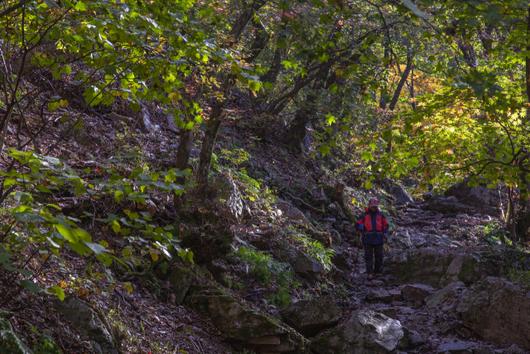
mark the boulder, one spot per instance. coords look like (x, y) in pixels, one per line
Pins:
(306, 266)
(448, 205)
(416, 293)
(291, 212)
(498, 311)
(302, 263)
(89, 323)
(446, 299)
(400, 239)
(425, 265)
(180, 280)
(483, 199)
(398, 193)
(242, 325)
(9, 341)
(312, 316)
(365, 331)
(438, 267)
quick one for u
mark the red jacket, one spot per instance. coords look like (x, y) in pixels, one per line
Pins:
(367, 225)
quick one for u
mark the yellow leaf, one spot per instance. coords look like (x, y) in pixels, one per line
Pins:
(128, 287)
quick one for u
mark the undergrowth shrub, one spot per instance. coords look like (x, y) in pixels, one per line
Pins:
(267, 270)
(38, 191)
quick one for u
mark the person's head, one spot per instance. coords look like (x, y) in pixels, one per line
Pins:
(373, 204)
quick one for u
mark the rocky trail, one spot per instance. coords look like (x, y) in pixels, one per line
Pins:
(431, 272)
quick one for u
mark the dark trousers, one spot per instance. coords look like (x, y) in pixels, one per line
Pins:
(371, 252)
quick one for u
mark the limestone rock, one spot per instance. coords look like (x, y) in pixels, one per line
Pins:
(312, 316)
(365, 331)
(498, 311)
(89, 323)
(242, 325)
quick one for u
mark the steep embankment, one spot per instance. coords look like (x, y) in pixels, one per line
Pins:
(276, 270)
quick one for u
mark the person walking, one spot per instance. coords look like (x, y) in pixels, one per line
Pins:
(373, 226)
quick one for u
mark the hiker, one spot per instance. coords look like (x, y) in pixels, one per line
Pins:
(373, 227)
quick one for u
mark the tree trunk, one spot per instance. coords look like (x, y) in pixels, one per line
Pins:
(297, 131)
(397, 93)
(208, 143)
(215, 119)
(183, 152)
(523, 218)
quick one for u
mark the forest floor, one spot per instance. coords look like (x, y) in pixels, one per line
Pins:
(145, 320)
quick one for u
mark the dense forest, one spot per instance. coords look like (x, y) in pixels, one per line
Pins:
(191, 176)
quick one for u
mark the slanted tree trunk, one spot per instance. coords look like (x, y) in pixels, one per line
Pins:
(216, 116)
(397, 92)
(208, 143)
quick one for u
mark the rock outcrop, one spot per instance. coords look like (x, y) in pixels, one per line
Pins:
(89, 323)
(312, 316)
(498, 311)
(242, 325)
(416, 293)
(365, 331)
(483, 199)
(437, 267)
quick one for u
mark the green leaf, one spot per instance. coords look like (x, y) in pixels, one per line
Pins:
(57, 291)
(30, 286)
(96, 248)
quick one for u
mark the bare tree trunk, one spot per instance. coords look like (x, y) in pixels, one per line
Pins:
(397, 93)
(208, 143)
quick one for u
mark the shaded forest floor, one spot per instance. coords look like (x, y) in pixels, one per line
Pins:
(284, 199)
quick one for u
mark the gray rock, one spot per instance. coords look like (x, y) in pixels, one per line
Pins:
(242, 324)
(448, 205)
(498, 311)
(416, 293)
(400, 239)
(481, 198)
(312, 316)
(383, 295)
(437, 266)
(456, 347)
(180, 279)
(398, 193)
(9, 341)
(411, 339)
(89, 323)
(307, 266)
(446, 299)
(365, 331)
(291, 212)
